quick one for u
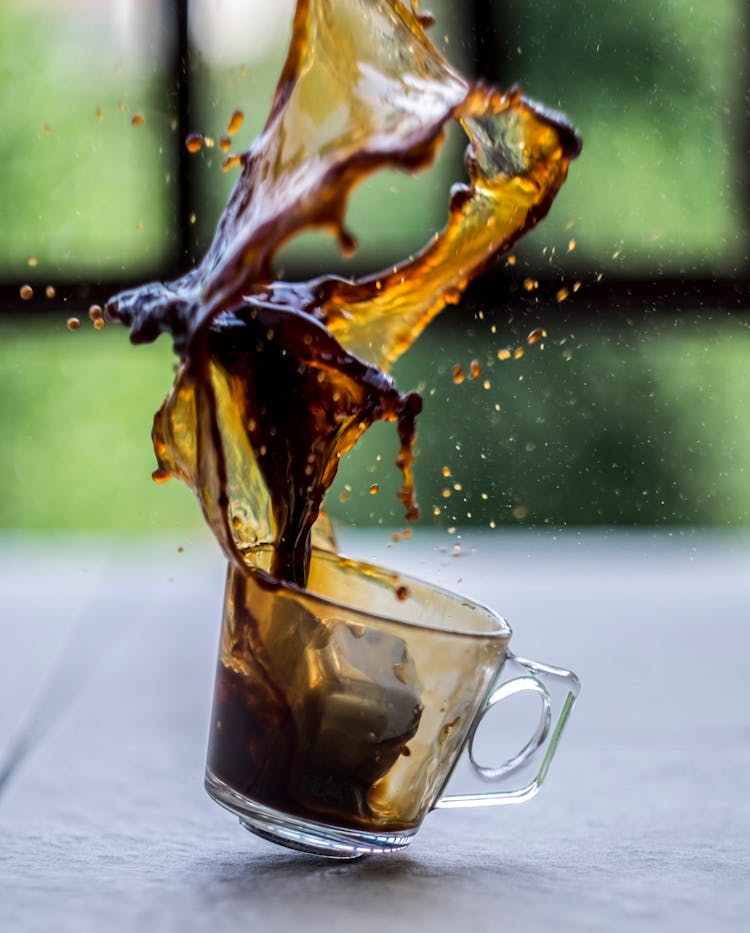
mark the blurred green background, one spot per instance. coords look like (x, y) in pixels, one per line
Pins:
(614, 418)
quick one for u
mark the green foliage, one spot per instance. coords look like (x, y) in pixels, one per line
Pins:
(75, 418)
(638, 424)
(82, 193)
(654, 90)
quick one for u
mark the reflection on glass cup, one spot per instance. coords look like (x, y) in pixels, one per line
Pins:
(340, 711)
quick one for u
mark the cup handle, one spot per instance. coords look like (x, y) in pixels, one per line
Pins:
(557, 690)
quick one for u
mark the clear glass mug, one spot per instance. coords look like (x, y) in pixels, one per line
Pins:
(340, 711)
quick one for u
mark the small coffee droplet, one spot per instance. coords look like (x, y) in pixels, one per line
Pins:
(32, 262)
(375, 488)
(137, 119)
(49, 291)
(225, 144)
(72, 323)
(230, 162)
(518, 353)
(26, 292)
(99, 323)
(536, 335)
(561, 295)
(458, 374)
(475, 369)
(235, 122)
(503, 354)
(194, 142)
(402, 593)
(95, 312)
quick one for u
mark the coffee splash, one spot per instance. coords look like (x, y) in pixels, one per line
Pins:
(277, 380)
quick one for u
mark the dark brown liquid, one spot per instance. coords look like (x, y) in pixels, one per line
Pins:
(308, 713)
(278, 380)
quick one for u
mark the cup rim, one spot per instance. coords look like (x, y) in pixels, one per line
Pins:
(503, 630)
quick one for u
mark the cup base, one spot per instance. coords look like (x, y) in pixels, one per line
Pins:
(304, 835)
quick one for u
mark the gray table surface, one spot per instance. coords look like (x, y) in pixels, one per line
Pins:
(106, 663)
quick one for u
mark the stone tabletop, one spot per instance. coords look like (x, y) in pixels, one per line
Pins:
(107, 655)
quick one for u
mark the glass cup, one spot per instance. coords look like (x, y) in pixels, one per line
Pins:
(341, 711)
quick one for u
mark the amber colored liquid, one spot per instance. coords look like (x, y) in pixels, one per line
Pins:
(278, 380)
(309, 712)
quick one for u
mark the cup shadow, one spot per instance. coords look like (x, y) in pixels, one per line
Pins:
(398, 882)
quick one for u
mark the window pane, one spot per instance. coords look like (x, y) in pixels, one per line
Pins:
(644, 423)
(656, 89)
(84, 191)
(238, 48)
(618, 421)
